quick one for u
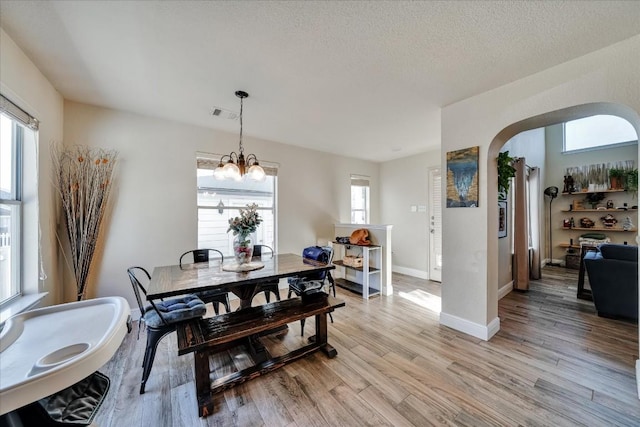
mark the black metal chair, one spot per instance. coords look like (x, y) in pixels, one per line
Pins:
(215, 297)
(271, 286)
(313, 283)
(160, 317)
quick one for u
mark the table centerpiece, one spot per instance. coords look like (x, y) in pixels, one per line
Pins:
(242, 227)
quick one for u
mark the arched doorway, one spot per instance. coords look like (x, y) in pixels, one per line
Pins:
(543, 120)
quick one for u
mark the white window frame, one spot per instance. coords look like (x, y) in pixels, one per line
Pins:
(14, 202)
(361, 181)
(603, 133)
(30, 269)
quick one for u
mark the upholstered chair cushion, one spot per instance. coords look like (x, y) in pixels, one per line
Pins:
(300, 286)
(175, 310)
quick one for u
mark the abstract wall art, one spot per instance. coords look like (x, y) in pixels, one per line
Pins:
(462, 178)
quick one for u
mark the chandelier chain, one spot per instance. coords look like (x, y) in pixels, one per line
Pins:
(235, 165)
(241, 146)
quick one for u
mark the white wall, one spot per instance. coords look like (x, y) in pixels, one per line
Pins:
(470, 271)
(154, 216)
(27, 87)
(403, 183)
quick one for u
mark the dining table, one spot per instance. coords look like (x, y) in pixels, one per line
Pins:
(172, 280)
(245, 326)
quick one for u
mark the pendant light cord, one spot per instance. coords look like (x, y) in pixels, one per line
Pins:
(241, 147)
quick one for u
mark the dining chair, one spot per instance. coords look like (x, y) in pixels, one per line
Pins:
(270, 286)
(161, 317)
(315, 282)
(215, 297)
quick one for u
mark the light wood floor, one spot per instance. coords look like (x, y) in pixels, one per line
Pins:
(554, 362)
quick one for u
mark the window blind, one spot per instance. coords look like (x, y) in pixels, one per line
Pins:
(12, 110)
(359, 180)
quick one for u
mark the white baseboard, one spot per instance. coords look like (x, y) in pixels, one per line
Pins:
(474, 329)
(411, 272)
(638, 376)
(503, 291)
(135, 314)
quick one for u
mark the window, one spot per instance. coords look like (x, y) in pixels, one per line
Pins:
(11, 134)
(18, 139)
(359, 199)
(220, 200)
(597, 131)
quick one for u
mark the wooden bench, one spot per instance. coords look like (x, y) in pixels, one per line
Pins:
(243, 327)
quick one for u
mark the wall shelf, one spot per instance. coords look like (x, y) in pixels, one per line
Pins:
(600, 229)
(600, 210)
(567, 246)
(593, 192)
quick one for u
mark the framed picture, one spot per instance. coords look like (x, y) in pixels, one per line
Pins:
(462, 178)
(502, 219)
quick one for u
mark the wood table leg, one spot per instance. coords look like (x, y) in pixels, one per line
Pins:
(258, 351)
(245, 294)
(321, 336)
(203, 384)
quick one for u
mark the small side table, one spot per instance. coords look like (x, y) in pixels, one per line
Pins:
(583, 293)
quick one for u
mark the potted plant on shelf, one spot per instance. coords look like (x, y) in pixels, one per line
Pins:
(631, 184)
(505, 172)
(594, 199)
(617, 178)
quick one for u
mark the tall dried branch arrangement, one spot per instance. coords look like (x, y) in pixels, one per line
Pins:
(83, 179)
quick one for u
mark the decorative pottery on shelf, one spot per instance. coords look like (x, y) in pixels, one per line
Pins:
(586, 223)
(243, 248)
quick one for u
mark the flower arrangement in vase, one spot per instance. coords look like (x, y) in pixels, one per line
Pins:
(242, 227)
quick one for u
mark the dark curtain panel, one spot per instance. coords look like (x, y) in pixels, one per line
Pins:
(521, 228)
(534, 220)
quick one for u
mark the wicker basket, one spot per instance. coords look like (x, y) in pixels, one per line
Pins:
(352, 261)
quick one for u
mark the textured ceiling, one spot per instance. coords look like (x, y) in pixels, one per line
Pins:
(364, 79)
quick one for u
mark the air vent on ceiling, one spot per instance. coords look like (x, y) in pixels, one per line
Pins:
(224, 114)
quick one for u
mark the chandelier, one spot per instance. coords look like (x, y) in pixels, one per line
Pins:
(237, 165)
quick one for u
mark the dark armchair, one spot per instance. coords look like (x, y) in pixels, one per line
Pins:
(613, 276)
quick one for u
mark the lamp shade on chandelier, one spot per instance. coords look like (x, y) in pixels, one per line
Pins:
(236, 165)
